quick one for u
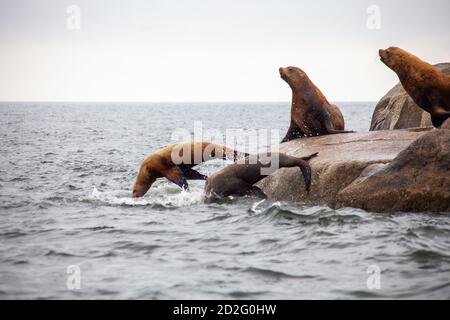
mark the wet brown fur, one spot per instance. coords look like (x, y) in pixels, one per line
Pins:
(311, 113)
(238, 179)
(428, 86)
(159, 164)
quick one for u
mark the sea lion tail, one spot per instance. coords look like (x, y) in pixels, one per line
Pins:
(307, 158)
(306, 172)
(306, 169)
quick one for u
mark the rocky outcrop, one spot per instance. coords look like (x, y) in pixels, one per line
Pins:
(396, 110)
(418, 179)
(380, 171)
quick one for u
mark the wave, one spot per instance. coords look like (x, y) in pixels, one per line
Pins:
(12, 234)
(135, 246)
(238, 294)
(275, 274)
(425, 255)
(164, 196)
(60, 254)
(315, 215)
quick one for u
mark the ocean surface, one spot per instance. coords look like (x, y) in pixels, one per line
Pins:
(69, 228)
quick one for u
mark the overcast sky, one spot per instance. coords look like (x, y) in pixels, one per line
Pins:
(193, 50)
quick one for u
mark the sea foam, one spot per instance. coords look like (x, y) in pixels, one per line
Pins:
(163, 195)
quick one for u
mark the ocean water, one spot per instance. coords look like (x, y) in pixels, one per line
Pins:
(66, 213)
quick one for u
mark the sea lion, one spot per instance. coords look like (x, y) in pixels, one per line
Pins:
(239, 178)
(175, 163)
(428, 86)
(446, 124)
(311, 113)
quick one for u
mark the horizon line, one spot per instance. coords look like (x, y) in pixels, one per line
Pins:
(167, 101)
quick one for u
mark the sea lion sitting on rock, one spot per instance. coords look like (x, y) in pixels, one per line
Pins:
(446, 124)
(311, 113)
(428, 86)
(238, 179)
(175, 163)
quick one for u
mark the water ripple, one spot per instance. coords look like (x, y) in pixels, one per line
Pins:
(65, 199)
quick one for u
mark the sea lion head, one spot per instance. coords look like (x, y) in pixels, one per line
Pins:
(293, 76)
(143, 182)
(393, 57)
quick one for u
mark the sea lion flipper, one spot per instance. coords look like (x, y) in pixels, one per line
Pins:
(292, 133)
(191, 174)
(439, 115)
(306, 172)
(330, 128)
(437, 119)
(176, 176)
(256, 192)
(307, 158)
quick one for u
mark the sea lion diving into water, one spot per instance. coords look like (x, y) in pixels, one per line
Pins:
(428, 86)
(238, 179)
(311, 113)
(175, 162)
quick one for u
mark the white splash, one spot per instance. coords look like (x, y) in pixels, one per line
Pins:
(160, 195)
(256, 204)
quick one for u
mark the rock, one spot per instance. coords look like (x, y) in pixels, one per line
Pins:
(347, 162)
(446, 124)
(396, 110)
(418, 179)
